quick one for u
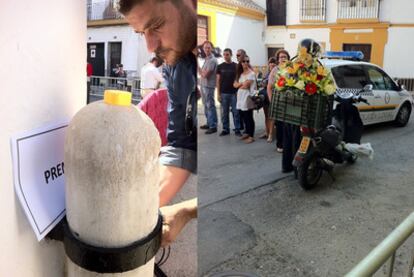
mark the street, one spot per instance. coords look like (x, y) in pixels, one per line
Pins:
(255, 219)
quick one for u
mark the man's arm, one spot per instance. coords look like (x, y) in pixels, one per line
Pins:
(205, 73)
(159, 78)
(175, 217)
(218, 87)
(172, 180)
(209, 69)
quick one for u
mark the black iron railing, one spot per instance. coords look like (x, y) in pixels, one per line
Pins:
(313, 10)
(358, 9)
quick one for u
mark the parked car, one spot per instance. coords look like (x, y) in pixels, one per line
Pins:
(388, 100)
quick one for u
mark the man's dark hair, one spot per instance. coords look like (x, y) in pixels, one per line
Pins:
(228, 50)
(125, 6)
(158, 60)
(242, 51)
(209, 42)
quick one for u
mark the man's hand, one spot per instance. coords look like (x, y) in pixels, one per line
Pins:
(219, 97)
(175, 217)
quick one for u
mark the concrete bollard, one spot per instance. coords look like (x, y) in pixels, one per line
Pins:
(111, 170)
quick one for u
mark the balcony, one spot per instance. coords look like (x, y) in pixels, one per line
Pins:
(102, 10)
(358, 10)
(313, 10)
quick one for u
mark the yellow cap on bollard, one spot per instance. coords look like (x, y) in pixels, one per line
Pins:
(117, 97)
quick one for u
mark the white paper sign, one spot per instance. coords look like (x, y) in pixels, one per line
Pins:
(38, 172)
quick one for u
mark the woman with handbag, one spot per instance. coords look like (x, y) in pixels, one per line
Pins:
(245, 83)
(268, 122)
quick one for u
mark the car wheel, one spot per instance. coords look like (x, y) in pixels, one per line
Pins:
(403, 115)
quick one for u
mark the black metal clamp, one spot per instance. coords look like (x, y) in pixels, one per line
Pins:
(112, 260)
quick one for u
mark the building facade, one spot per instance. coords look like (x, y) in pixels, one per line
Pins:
(112, 41)
(383, 30)
(233, 24)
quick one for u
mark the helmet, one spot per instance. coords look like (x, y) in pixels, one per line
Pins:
(311, 46)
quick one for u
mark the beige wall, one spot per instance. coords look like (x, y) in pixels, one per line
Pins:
(43, 79)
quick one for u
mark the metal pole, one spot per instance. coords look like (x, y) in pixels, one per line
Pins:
(377, 257)
(111, 170)
(390, 270)
(410, 269)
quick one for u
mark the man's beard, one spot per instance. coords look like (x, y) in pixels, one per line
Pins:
(186, 40)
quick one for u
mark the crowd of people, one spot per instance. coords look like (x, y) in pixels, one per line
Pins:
(235, 83)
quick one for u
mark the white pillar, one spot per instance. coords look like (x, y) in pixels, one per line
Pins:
(43, 79)
(111, 170)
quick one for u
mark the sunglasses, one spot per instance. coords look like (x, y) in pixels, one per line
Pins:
(238, 55)
(245, 61)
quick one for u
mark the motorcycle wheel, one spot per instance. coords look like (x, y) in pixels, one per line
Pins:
(310, 172)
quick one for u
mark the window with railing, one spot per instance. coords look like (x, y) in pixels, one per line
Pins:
(358, 9)
(313, 10)
(102, 9)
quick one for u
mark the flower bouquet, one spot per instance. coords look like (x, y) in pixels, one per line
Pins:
(303, 93)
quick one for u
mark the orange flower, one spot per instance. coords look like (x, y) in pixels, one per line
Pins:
(311, 88)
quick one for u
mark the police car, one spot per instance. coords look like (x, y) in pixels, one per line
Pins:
(388, 100)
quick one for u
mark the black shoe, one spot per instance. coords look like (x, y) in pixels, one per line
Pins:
(204, 127)
(287, 170)
(211, 131)
(238, 133)
(224, 133)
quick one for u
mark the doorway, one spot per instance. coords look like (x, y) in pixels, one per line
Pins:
(364, 48)
(115, 52)
(271, 51)
(96, 58)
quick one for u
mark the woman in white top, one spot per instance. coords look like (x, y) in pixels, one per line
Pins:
(245, 83)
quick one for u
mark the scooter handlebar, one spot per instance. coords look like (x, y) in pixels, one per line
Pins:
(359, 98)
(363, 100)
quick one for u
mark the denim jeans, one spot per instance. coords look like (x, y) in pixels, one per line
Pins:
(229, 100)
(207, 96)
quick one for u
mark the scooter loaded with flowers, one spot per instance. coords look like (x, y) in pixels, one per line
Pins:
(305, 93)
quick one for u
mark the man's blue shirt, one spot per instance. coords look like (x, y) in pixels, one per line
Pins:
(180, 80)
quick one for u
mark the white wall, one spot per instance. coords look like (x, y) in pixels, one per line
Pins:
(331, 11)
(43, 69)
(293, 12)
(280, 37)
(398, 58)
(237, 32)
(397, 11)
(134, 48)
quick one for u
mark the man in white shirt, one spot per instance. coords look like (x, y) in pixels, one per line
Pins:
(151, 77)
